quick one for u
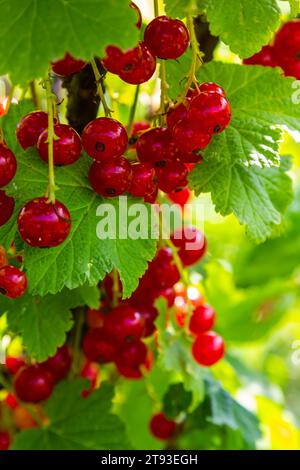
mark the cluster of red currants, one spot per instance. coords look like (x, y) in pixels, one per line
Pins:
(164, 37)
(13, 282)
(283, 52)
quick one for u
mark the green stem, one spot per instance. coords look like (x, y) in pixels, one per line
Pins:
(1, 135)
(133, 110)
(51, 137)
(35, 95)
(156, 8)
(98, 78)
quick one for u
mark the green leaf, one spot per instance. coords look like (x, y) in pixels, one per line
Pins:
(226, 411)
(33, 33)
(256, 196)
(76, 423)
(244, 26)
(295, 7)
(180, 8)
(83, 257)
(44, 322)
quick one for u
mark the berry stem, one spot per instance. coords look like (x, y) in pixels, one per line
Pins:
(98, 78)
(115, 288)
(35, 95)
(163, 92)
(1, 135)
(156, 8)
(51, 136)
(133, 110)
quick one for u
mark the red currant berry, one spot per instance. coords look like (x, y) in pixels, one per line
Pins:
(164, 271)
(33, 384)
(59, 364)
(264, 57)
(137, 65)
(42, 224)
(149, 313)
(13, 364)
(8, 165)
(66, 149)
(68, 65)
(162, 427)
(104, 139)
(124, 323)
(212, 111)
(291, 69)
(96, 318)
(151, 197)
(156, 146)
(206, 87)
(167, 38)
(4, 105)
(170, 295)
(202, 319)
(189, 137)
(4, 440)
(11, 401)
(191, 243)
(177, 113)
(208, 348)
(7, 205)
(90, 371)
(131, 355)
(139, 14)
(30, 128)
(172, 176)
(99, 346)
(112, 61)
(110, 179)
(143, 180)
(180, 197)
(190, 158)
(3, 257)
(133, 373)
(287, 43)
(13, 282)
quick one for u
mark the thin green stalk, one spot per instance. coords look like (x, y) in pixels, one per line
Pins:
(156, 8)
(133, 110)
(107, 110)
(51, 137)
(35, 95)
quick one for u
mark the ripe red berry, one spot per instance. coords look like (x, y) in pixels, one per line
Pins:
(206, 87)
(131, 355)
(99, 346)
(7, 205)
(137, 65)
(59, 364)
(177, 113)
(68, 65)
(137, 130)
(189, 136)
(112, 61)
(104, 139)
(110, 178)
(3, 256)
(95, 318)
(191, 243)
(264, 57)
(11, 401)
(8, 165)
(164, 271)
(30, 128)
(139, 15)
(167, 38)
(66, 149)
(133, 373)
(208, 348)
(33, 384)
(13, 364)
(149, 313)
(91, 372)
(151, 197)
(169, 294)
(212, 111)
(202, 319)
(172, 176)
(143, 180)
(42, 224)
(180, 197)
(124, 323)
(4, 440)
(13, 282)
(287, 43)
(156, 146)
(162, 427)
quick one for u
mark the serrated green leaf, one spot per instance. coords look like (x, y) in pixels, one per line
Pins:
(226, 411)
(256, 196)
(244, 26)
(33, 33)
(180, 8)
(83, 257)
(91, 427)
